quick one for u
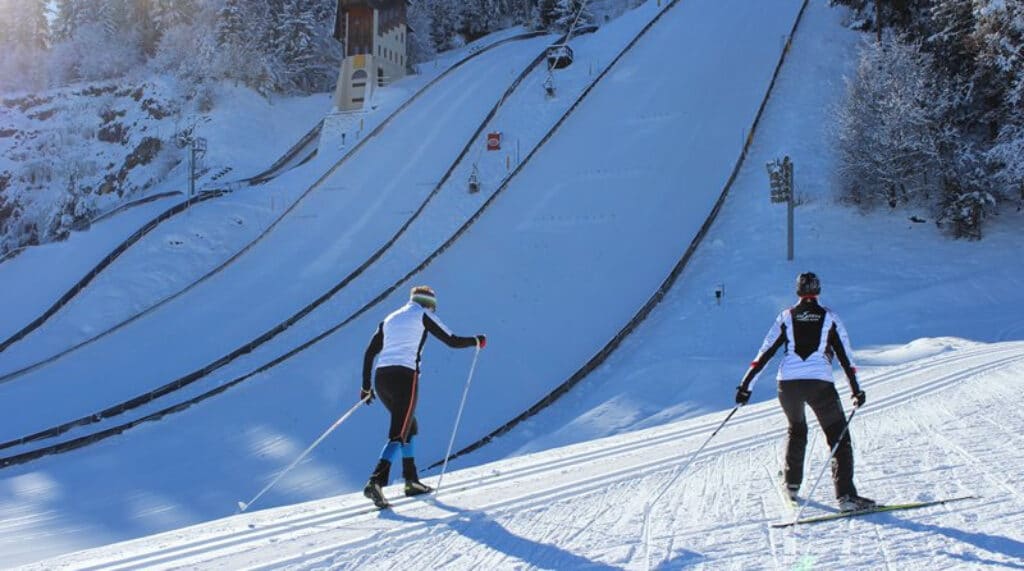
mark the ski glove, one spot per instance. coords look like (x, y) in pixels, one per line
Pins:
(481, 341)
(367, 395)
(859, 398)
(742, 395)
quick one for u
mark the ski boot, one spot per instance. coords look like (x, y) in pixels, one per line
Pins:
(413, 485)
(792, 491)
(855, 503)
(378, 480)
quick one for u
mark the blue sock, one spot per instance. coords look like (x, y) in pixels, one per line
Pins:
(390, 451)
(408, 450)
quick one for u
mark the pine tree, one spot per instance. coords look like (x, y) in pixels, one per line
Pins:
(999, 35)
(297, 43)
(24, 24)
(419, 43)
(24, 44)
(889, 129)
(568, 12)
(479, 17)
(71, 15)
(949, 24)
(444, 16)
(547, 14)
(246, 44)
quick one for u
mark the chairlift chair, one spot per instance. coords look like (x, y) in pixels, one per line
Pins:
(559, 56)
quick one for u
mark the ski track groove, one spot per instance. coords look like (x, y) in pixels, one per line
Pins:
(347, 515)
(768, 534)
(973, 462)
(881, 548)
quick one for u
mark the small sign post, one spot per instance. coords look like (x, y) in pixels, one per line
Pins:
(494, 141)
(780, 175)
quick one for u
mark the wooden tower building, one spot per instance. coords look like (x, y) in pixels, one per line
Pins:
(374, 34)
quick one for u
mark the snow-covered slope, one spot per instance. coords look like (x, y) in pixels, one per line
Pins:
(942, 426)
(940, 418)
(185, 247)
(331, 231)
(559, 224)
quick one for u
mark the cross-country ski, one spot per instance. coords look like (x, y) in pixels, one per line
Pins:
(881, 508)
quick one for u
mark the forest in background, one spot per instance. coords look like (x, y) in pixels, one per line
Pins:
(935, 112)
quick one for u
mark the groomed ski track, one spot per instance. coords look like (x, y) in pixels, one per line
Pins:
(59, 347)
(940, 426)
(582, 223)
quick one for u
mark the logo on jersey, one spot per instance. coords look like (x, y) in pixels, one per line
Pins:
(807, 317)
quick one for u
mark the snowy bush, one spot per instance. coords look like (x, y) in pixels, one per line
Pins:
(888, 127)
(957, 77)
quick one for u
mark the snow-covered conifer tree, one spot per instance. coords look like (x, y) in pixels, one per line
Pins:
(888, 129)
(420, 44)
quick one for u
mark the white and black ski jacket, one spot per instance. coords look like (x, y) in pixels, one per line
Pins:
(811, 335)
(400, 337)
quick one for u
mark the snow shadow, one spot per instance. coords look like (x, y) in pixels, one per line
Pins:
(1002, 545)
(682, 560)
(478, 526)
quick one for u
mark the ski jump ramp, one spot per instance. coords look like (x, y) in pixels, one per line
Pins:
(562, 258)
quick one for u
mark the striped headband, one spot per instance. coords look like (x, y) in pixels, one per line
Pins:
(424, 296)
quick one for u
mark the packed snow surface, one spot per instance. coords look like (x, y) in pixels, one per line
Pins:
(563, 258)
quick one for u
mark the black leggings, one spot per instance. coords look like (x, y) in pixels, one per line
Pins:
(823, 399)
(397, 388)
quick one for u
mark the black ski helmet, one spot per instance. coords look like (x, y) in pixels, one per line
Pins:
(807, 284)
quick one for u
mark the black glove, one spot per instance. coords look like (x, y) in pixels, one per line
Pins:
(367, 395)
(859, 398)
(481, 341)
(742, 395)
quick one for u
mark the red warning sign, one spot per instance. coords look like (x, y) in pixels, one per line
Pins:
(493, 141)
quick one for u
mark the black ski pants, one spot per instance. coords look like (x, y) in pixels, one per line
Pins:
(823, 399)
(397, 387)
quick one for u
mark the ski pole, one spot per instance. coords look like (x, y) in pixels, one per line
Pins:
(645, 532)
(458, 417)
(242, 506)
(831, 455)
(694, 456)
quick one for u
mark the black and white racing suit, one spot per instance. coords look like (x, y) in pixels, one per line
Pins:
(398, 345)
(811, 336)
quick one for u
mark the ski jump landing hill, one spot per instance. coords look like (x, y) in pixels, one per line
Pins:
(30, 309)
(551, 270)
(351, 213)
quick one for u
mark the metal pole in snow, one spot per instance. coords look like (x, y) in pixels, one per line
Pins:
(789, 208)
(458, 417)
(242, 506)
(649, 506)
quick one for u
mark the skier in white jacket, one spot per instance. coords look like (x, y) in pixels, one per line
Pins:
(811, 335)
(397, 346)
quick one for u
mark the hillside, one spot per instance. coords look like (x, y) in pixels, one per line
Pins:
(551, 263)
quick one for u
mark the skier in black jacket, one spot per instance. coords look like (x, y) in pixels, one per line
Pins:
(811, 335)
(397, 345)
